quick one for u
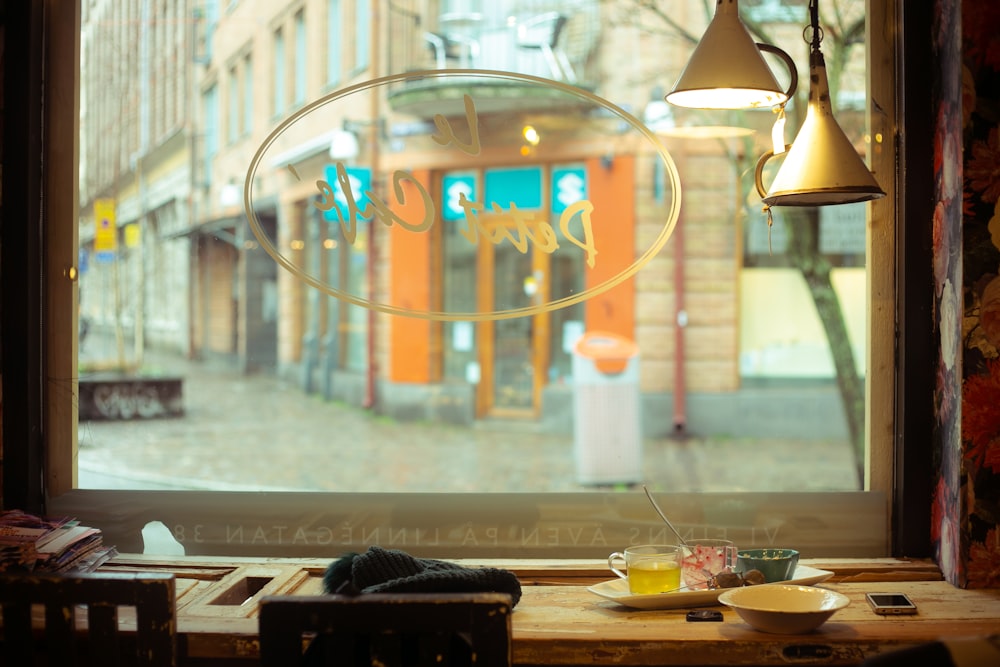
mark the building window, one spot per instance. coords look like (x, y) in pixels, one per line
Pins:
(334, 43)
(362, 34)
(280, 84)
(233, 95)
(248, 93)
(210, 109)
(301, 61)
(211, 21)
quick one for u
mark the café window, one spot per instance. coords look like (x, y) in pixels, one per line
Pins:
(379, 301)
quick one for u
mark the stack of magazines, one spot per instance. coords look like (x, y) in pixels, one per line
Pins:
(34, 544)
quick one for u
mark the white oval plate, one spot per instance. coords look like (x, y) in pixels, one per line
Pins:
(617, 590)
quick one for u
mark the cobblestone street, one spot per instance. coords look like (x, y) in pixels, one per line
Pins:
(260, 432)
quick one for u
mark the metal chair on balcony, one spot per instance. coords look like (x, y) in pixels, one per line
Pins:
(542, 32)
(54, 636)
(463, 51)
(456, 40)
(390, 629)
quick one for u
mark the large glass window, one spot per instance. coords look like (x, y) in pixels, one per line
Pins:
(374, 307)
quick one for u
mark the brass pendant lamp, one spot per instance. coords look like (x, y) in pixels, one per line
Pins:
(821, 167)
(727, 70)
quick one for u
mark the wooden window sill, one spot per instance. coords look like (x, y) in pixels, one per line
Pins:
(558, 621)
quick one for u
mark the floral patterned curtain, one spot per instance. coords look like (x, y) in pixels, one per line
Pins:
(967, 497)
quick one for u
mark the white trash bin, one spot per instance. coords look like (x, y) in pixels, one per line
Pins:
(607, 428)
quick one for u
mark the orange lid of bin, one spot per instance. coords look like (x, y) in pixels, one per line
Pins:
(610, 352)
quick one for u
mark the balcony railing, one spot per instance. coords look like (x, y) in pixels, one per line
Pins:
(544, 39)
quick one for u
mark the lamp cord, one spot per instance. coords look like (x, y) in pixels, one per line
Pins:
(817, 32)
(812, 38)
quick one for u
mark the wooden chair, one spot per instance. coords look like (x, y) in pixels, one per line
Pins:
(390, 629)
(99, 640)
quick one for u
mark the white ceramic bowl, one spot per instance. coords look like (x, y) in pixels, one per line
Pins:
(784, 608)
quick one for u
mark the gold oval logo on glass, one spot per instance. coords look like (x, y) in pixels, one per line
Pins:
(529, 139)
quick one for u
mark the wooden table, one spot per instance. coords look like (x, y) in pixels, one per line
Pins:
(568, 625)
(559, 622)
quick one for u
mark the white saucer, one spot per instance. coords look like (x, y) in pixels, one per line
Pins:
(617, 590)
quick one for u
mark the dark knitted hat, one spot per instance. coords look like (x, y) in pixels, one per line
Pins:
(381, 570)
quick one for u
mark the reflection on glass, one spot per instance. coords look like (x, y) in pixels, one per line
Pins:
(291, 380)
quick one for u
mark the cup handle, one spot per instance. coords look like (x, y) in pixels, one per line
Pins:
(611, 563)
(758, 176)
(793, 71)
(793, 83)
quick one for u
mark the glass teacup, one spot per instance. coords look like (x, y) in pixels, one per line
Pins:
(702, 560)
(650, 568)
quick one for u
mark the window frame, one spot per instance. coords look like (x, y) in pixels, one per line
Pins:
(40, 356)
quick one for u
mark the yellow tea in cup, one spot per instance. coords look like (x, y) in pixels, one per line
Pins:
(648, 577)
(650, 569)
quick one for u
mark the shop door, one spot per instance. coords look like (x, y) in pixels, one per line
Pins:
(512, 356)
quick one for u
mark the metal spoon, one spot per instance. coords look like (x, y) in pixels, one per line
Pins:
(664, 516)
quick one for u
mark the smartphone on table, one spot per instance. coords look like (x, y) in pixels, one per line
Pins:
(891, 604)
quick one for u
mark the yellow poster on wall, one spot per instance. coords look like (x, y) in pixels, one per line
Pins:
(105, 228)
(132, 237)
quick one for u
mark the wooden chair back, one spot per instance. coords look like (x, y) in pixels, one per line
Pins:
(389, 629)
(70, 620)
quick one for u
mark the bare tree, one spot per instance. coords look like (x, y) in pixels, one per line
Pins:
(843, 25)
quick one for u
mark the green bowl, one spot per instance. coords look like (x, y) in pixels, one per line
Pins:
(774, 564)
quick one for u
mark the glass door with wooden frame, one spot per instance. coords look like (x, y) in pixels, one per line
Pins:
(513, 351)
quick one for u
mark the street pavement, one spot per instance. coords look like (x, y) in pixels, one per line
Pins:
(260, 432)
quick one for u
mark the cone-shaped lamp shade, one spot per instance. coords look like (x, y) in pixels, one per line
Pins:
(727, 71)
(822, 167)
